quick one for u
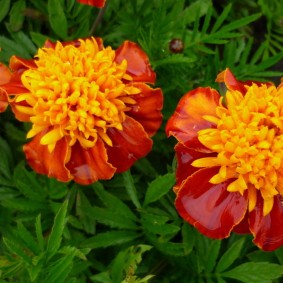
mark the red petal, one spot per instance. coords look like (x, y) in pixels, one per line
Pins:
(267, 230)
(138, 62)
(89, 165)
(187, 119)
(243, 227)
(185, 157)
(147, 110)
(96, 3)
(44, 162)
(129, 145)
(210, 208)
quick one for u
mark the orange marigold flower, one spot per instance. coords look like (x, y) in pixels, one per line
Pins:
(96, 3)
(230, 160)
(92, 112)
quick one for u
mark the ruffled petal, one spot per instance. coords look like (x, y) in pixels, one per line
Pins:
(185, 157)
(89, 165)
(129, 144)
(243, 227)
(267, 230)
(210, 208)
(5, 74)
(22, 110)
(44, 162)
(18, 64)
(187, 120)
(138, 62)
(147, 110)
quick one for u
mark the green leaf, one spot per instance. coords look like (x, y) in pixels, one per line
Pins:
(27, 183)
(17, 15)
(230, 255)
(6, 159)
(131, 189)
(39, 234)
(5, 7)
(196, 9)
(114, 203)
(221, 18)
(38, 38)
(110, 218)
(159, 187)
(28, 238)
(156, 224)
(213, 252)
(57, 18)
(189, 237)
(55, 237)
(60, 270)
(111, 238)
(255, 272)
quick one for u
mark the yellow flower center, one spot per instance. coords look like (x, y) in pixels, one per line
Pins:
(248, 140)
(78, 93)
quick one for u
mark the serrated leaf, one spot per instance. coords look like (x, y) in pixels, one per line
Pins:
(5, 7)
(27, 184)
(159, 187)
(57, 18)
(174, 59)
(110, 218)
(55, 237)
(230, 255)
(28, 238)
(17, 250)
(131, 189)
(255, 272)
(156, 224)
(114, 203)
(111, 238)
(60, 270)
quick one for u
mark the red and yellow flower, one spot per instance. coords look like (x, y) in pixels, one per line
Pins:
(96, 3)
(91, 109)
(230, 160)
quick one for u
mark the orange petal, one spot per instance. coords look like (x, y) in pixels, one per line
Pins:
(129, 145)
(147, 110)
(18, 64)
(5, 74)
(187, 119)
(267, 230)
(89, 165)
(138, 62)
(44, 162)
(209, 207)
(96, 3)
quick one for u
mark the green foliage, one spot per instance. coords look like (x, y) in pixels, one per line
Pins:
(127, 230)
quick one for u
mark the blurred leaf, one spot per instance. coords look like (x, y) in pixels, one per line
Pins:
(230, 255)
(159, 187)
(111, 238)
(255, 272)
(6, 160)
(213, 252)
(57, 18)
(17, 15)
(196, 9)
(5, 7)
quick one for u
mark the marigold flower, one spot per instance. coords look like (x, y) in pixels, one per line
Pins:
(92, 112)
(96, 3)
(230, 160)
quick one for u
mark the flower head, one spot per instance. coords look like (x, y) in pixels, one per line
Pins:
(92, 112)
(230, 160)
(96, 3)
